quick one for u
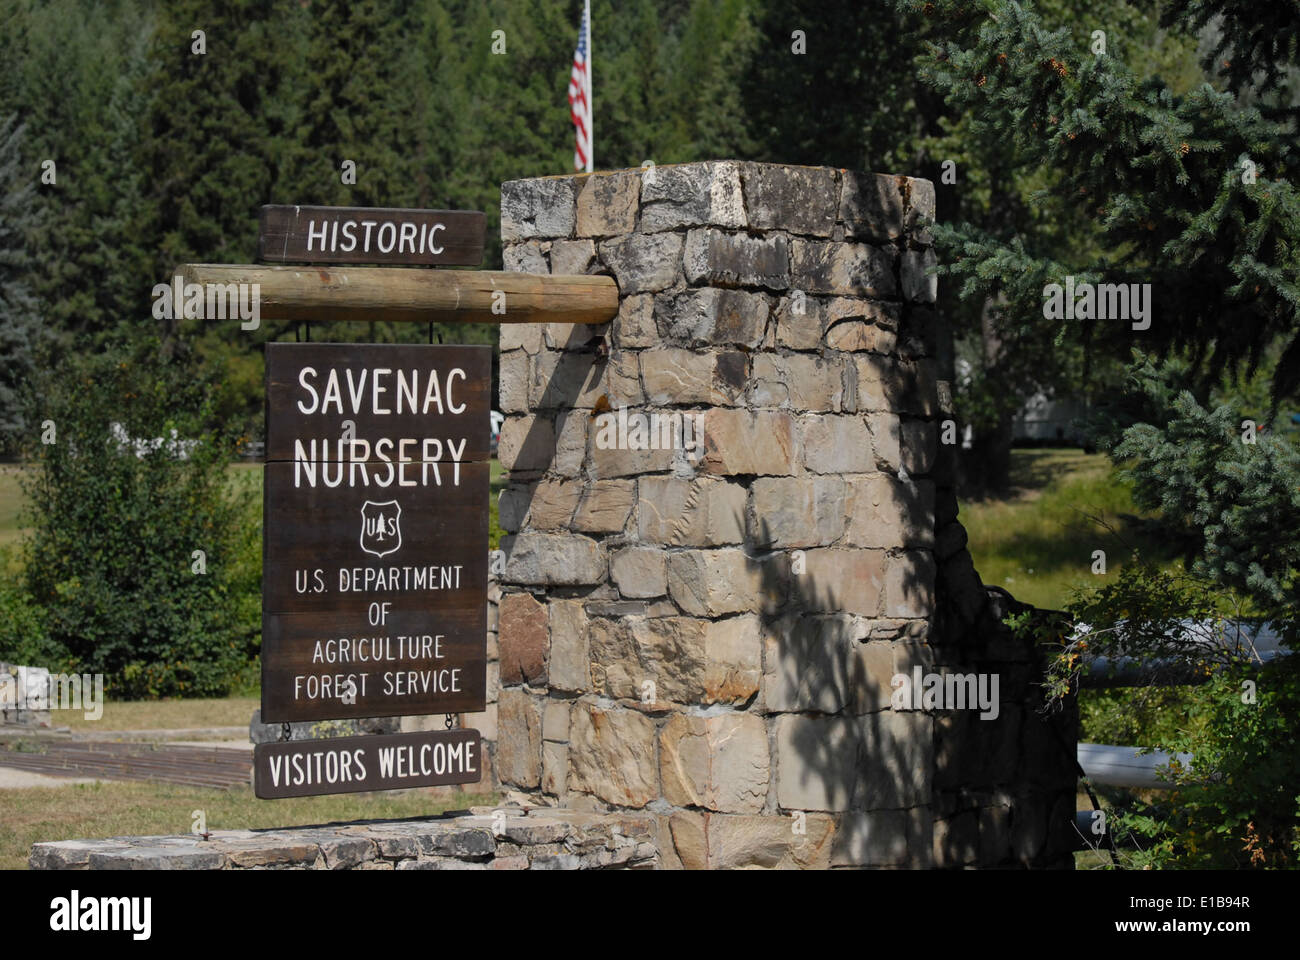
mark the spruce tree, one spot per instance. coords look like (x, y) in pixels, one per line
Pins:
(20, 328)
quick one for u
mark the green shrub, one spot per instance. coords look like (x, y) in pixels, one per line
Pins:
(1238, 805)
(111, 563)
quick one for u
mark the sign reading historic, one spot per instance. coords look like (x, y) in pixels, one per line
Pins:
(375, 506)
(298, 234)
(307, 768)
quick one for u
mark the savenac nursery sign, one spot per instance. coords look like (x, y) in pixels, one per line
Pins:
(374, 589)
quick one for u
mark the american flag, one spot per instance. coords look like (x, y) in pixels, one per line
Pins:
(580, 94)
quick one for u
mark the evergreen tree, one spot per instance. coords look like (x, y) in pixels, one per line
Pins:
(20, 329)
(1191, 193)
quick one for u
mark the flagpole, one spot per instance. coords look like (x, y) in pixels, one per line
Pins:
(591, 107)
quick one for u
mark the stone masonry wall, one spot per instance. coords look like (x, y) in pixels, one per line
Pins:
(481, 840)
(711, 639)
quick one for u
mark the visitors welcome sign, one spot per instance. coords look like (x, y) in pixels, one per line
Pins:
(374, 583)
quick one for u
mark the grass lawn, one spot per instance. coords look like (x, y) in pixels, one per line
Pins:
(1038, 544)
(108, 809)
(162, 715)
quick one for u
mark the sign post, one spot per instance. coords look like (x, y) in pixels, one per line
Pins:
(375, 494)
(374, 558)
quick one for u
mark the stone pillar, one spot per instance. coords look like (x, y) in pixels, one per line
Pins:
(709, 632)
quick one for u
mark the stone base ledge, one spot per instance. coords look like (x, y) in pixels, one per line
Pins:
(538, 839)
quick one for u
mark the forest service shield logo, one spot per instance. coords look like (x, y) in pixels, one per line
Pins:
(381, 528)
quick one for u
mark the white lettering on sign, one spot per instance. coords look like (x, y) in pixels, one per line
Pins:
(386, 461)
(407, 395)
(427, 759)
(335, 235)
(320, 766)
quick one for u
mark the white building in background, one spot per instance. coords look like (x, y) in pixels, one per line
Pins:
(1044, 420)
(1041, 420)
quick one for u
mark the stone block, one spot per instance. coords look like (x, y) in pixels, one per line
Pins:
(612, 755)
(528, 257)
(572, 257)
(688, 660)
(847, 269)
(718, 259)
(643, 263)
(523, 639)
(919, 284)
(876, 838)
(838, 763)
(713, 316)
(570, 663)
(805, 511)
(674, 376)
(521, 336)
(689, 840)
(749, 442)
(886, 437)
(900, 387)
(909, 584)
(553, 559)
(639, 572)
(537, 208)
(872, 206)
(551, 504)
(798, 382)
(570, 443)
(771, 843)
(635, 324)
(570, 336)
(919, 448)
(718, 763)
(841, 580)
(883, 511)
(703, 512)
(563, 380)
(605, 507)
(555, 768)
(691, 194)
(519, 740)
(920, 210)
(512, 397)
(821, 663)
(802, 200)
(607, 205)
(714, 583)
(555, 721)
(836, 444)
(955, 841)
(527, 444)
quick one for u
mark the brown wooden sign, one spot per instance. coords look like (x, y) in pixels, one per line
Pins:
(302, 234)
(375, 513)
(308, 768)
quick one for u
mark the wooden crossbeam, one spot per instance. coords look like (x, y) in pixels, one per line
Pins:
(321, 294)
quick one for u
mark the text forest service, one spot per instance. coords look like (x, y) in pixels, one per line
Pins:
(374, 591)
